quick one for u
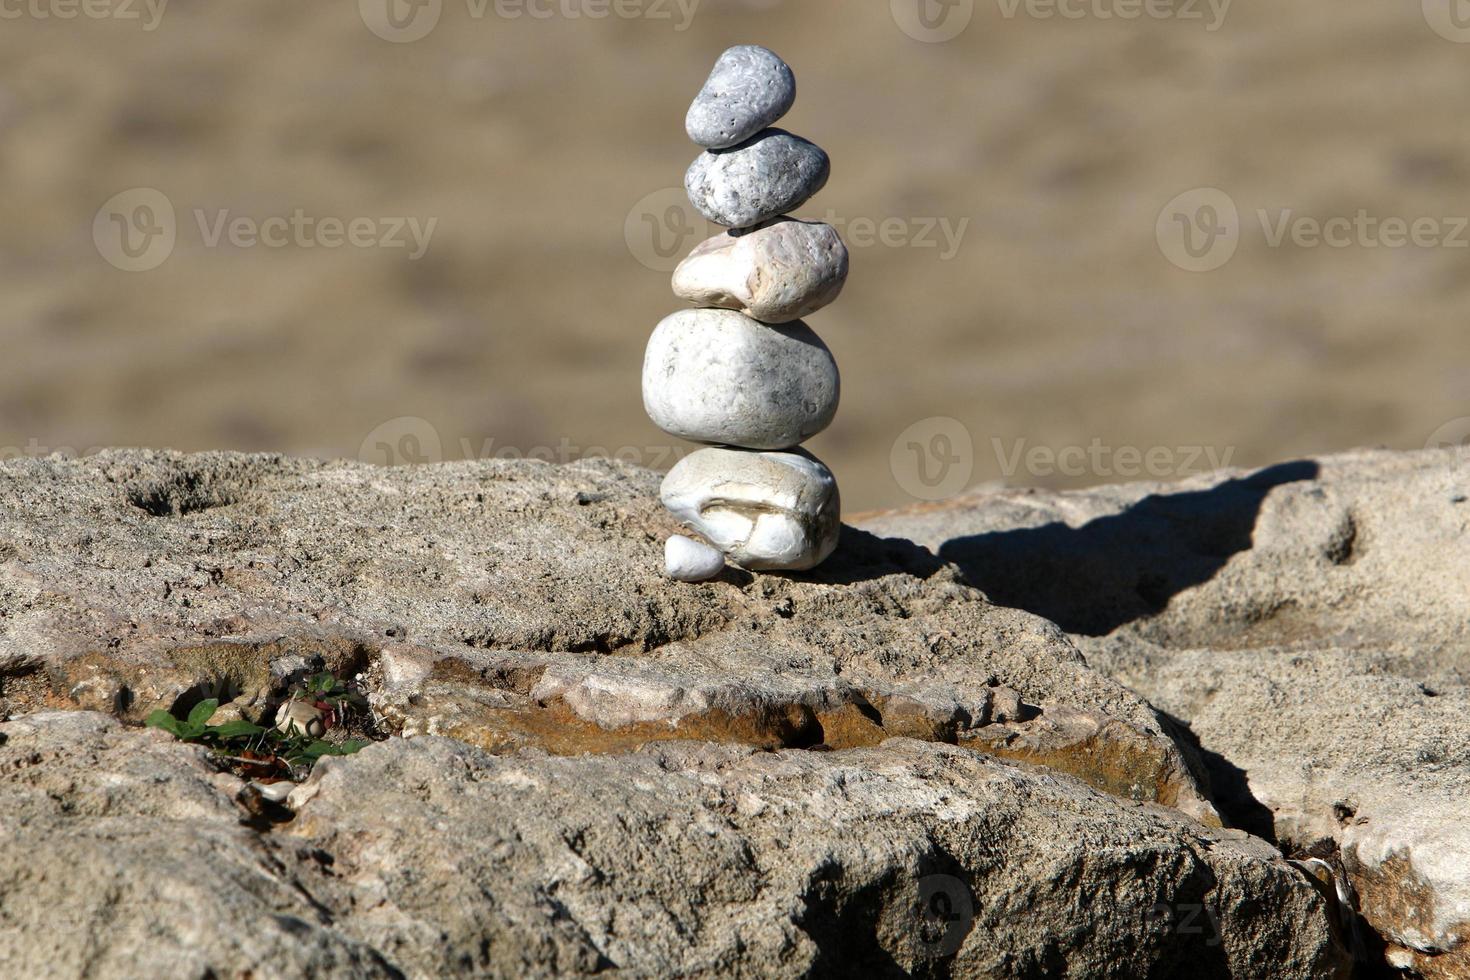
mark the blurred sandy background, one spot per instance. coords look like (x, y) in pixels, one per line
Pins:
(1057, 322)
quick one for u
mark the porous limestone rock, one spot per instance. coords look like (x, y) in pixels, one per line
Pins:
(1309, 623)
(760, 775)
(514, 604)
(122, 854)
(125, 854)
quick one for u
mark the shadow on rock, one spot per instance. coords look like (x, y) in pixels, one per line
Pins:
(1229, 788)
(1113, 570)
(862, 557)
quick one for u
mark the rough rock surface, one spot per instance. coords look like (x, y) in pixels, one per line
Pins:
(1311, 625)
(125, 856)
(757, 775)
(514, 603)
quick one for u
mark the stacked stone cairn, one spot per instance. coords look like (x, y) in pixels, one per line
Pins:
(742, 372)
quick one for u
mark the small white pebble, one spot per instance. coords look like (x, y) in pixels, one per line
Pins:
(687, 560)
(275, 792)
(299, 717)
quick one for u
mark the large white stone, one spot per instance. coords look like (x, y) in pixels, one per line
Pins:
(717, 376)
(767, 511)
(777, 272)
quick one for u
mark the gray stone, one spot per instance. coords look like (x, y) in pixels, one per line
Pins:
(749, 89)
(765, 177)
(777, 272)
(1309, 623)
(717, 376)
(766, 511)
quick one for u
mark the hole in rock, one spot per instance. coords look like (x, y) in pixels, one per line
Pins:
(180, 495)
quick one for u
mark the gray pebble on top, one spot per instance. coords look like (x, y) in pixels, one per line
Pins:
(765, 177)
(748, 90)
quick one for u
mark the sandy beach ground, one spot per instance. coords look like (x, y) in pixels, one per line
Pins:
(1042, 293)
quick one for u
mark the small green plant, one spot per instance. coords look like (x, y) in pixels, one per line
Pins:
(331, 695)
(256, 751)
(196, 727)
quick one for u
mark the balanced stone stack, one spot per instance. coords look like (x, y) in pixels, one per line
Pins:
(742, 372)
